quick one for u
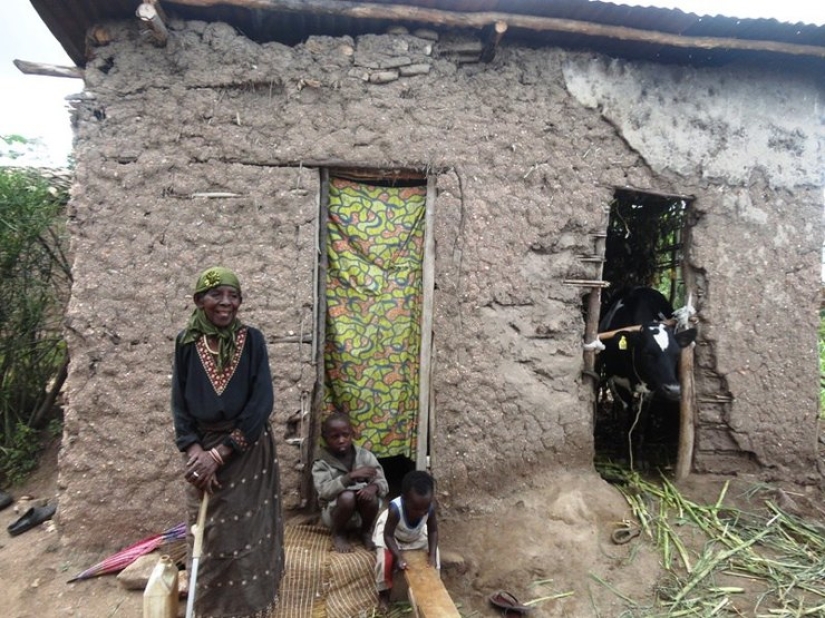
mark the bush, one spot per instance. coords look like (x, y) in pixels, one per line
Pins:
(35, 276)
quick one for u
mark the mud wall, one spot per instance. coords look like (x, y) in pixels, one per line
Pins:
(747, 144)
(208, 151)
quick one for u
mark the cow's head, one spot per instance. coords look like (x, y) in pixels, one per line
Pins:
(646, 361)
(656, 358)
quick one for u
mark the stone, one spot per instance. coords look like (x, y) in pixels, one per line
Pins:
(454, 561)
(414, 69)
(136, 575)
(383, 77)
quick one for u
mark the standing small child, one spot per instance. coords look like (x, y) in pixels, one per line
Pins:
(408, 523)
(350, 482)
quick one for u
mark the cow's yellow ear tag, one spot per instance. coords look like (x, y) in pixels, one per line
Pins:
(622, 343)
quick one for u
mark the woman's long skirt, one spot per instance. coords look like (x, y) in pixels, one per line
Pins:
(242, 561)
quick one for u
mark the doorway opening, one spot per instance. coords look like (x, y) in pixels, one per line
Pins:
(373, 313)
(646, 239)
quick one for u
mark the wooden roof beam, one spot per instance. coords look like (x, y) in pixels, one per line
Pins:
(479, 20)
(50, 70)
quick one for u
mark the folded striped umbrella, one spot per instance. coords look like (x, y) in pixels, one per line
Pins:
(119, 561)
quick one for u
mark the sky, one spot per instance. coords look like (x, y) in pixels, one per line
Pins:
(34, 106)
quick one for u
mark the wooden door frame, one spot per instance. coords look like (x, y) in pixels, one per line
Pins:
(309, 446)
(425, 408)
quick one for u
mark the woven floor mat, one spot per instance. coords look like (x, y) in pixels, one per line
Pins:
(321, 583)
(352, 589)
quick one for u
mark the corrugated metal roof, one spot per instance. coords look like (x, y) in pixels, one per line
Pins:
(291, 21)
(737, 10)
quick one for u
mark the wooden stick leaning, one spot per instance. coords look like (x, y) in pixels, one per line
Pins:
(197, 549)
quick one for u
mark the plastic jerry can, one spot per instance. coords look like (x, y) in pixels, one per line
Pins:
(160, 598)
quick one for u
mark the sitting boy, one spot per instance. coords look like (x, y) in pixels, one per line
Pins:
(408, 523)
(349, 481)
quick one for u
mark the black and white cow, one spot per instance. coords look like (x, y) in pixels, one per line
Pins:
(642, 365)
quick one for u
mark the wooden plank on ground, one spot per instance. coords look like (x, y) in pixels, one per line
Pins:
(428, 596)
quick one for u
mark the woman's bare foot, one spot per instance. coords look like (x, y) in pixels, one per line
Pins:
(366, 539)
(341, 544)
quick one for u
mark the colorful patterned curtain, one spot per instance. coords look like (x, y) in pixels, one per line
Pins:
(373, 322)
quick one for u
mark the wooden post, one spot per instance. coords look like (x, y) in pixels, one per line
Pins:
(492, 41)
(428, 596)
(149, 15)
(687, 429)
(426, 356)
(594, 302)
(319, 291)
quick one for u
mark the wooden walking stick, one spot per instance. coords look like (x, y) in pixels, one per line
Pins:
(197, 548)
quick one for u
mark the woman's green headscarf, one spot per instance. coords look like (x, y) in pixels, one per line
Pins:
(199, 324)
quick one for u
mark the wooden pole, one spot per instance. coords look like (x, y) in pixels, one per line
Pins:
(594, 303)
(426, 356)
(609, 334)
(148, 13)
(687, 429)
(492, 41)
(197, 549)
(478, 20)
(319, 291)
(50, 70)
(586, 283)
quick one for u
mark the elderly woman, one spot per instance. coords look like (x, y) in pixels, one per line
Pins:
(221, 402)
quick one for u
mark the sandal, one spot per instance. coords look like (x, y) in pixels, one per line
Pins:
(510, 604)
(31, 518)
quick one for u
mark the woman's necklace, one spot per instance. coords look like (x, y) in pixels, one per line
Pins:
(208, 349)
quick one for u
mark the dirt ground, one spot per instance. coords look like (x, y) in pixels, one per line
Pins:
(34, 566)
(548, 538)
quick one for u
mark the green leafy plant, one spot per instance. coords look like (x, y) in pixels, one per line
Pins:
(644, 244)
(35, 276)
(19, 455)
(720, 559)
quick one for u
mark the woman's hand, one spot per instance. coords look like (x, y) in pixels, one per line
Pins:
(201, 469)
